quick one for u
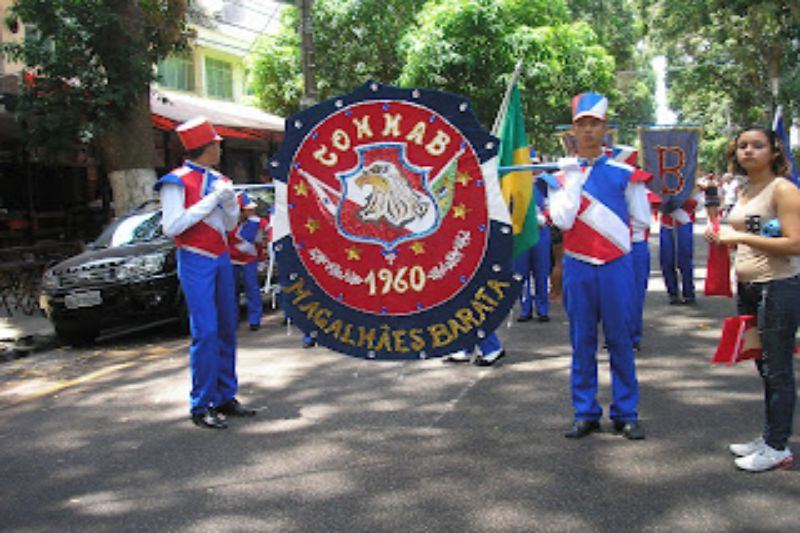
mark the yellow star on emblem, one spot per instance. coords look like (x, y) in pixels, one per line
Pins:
(463, 178)
(300, 189)
(418, 248)
(353, 253)
(460, 211)
(312, 225)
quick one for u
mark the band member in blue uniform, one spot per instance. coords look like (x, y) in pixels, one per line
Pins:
(593, 209)
(247, 250)
(676, 251)
(535, 262)
(199, 209)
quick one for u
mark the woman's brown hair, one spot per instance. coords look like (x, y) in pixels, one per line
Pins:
(780, 164)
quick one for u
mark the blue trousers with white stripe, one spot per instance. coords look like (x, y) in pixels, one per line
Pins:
(207, 284)
(601, 294)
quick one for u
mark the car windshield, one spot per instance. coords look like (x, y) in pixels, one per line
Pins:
(136, 227)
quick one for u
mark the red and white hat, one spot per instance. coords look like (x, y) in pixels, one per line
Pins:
(197, 132)
(589, 105)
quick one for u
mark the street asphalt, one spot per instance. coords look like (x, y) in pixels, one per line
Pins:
(100, 439)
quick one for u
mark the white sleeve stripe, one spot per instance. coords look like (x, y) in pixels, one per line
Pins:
(605, 222)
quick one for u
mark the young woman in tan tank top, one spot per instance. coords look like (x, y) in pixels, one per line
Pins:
(768, 274)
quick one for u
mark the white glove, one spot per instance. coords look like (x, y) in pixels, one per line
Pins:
(574, 177)
(541, 220)
(224, 190)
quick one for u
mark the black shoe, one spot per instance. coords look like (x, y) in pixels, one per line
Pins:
(524, 318)
(209, 419)
(309, 343)
(489, 360)
(689, 301)
(255, 327)
(630, 429)
(637, 346)
(234, 408)
(581, 428)
(674, 300)
(543, 318)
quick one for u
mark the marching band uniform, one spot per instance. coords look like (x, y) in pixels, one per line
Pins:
(593, 209)
(536, 262)
(676, 249)
(199, 208)
(247, 250)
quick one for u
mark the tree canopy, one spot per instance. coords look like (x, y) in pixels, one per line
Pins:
(727, 57)
(90, 63)
(464, 46)
(355, 40)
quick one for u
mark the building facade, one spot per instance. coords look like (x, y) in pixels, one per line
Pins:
(71, 200)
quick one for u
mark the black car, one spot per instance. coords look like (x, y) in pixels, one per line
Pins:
(125, 280)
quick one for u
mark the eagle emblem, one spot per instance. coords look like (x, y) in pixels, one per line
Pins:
(385, 199)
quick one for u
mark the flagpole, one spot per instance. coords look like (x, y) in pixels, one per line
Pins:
(547, 167)
(780, 130)
(504, 105)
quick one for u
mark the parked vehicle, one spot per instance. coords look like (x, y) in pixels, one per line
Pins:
(124, 280)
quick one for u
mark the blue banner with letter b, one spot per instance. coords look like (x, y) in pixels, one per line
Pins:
(670, 155)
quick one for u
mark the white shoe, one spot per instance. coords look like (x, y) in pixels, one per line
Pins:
(490, 358)
(767, 458)
(746, 448)
(460, 356)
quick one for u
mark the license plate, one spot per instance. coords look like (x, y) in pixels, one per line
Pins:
(76, 300)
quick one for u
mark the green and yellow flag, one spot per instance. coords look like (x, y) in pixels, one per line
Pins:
(517, 186)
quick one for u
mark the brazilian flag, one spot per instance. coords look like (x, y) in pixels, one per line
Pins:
(517, 186)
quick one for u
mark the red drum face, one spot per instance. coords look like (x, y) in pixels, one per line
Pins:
(387, 207)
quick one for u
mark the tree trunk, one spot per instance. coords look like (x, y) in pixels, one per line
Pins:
(127, 147)
(128, 152)
(131, 187)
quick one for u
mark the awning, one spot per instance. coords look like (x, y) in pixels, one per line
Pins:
(170, 108)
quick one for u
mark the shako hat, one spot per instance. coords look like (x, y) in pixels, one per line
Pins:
(197, 132)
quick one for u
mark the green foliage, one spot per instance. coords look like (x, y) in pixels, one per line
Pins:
(354, 40)
(619, 30)
(723, 55)
(616, 25)
(471, 47)
(360, 41)
(461, 46)
(276, 68)
(90, 61)
(468, 47)
(560, 62)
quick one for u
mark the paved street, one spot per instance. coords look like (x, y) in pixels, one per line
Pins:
(100, 439)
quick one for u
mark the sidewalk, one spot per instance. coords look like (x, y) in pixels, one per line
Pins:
(21, 334)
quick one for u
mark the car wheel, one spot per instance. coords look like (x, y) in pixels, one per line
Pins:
(76, 334)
